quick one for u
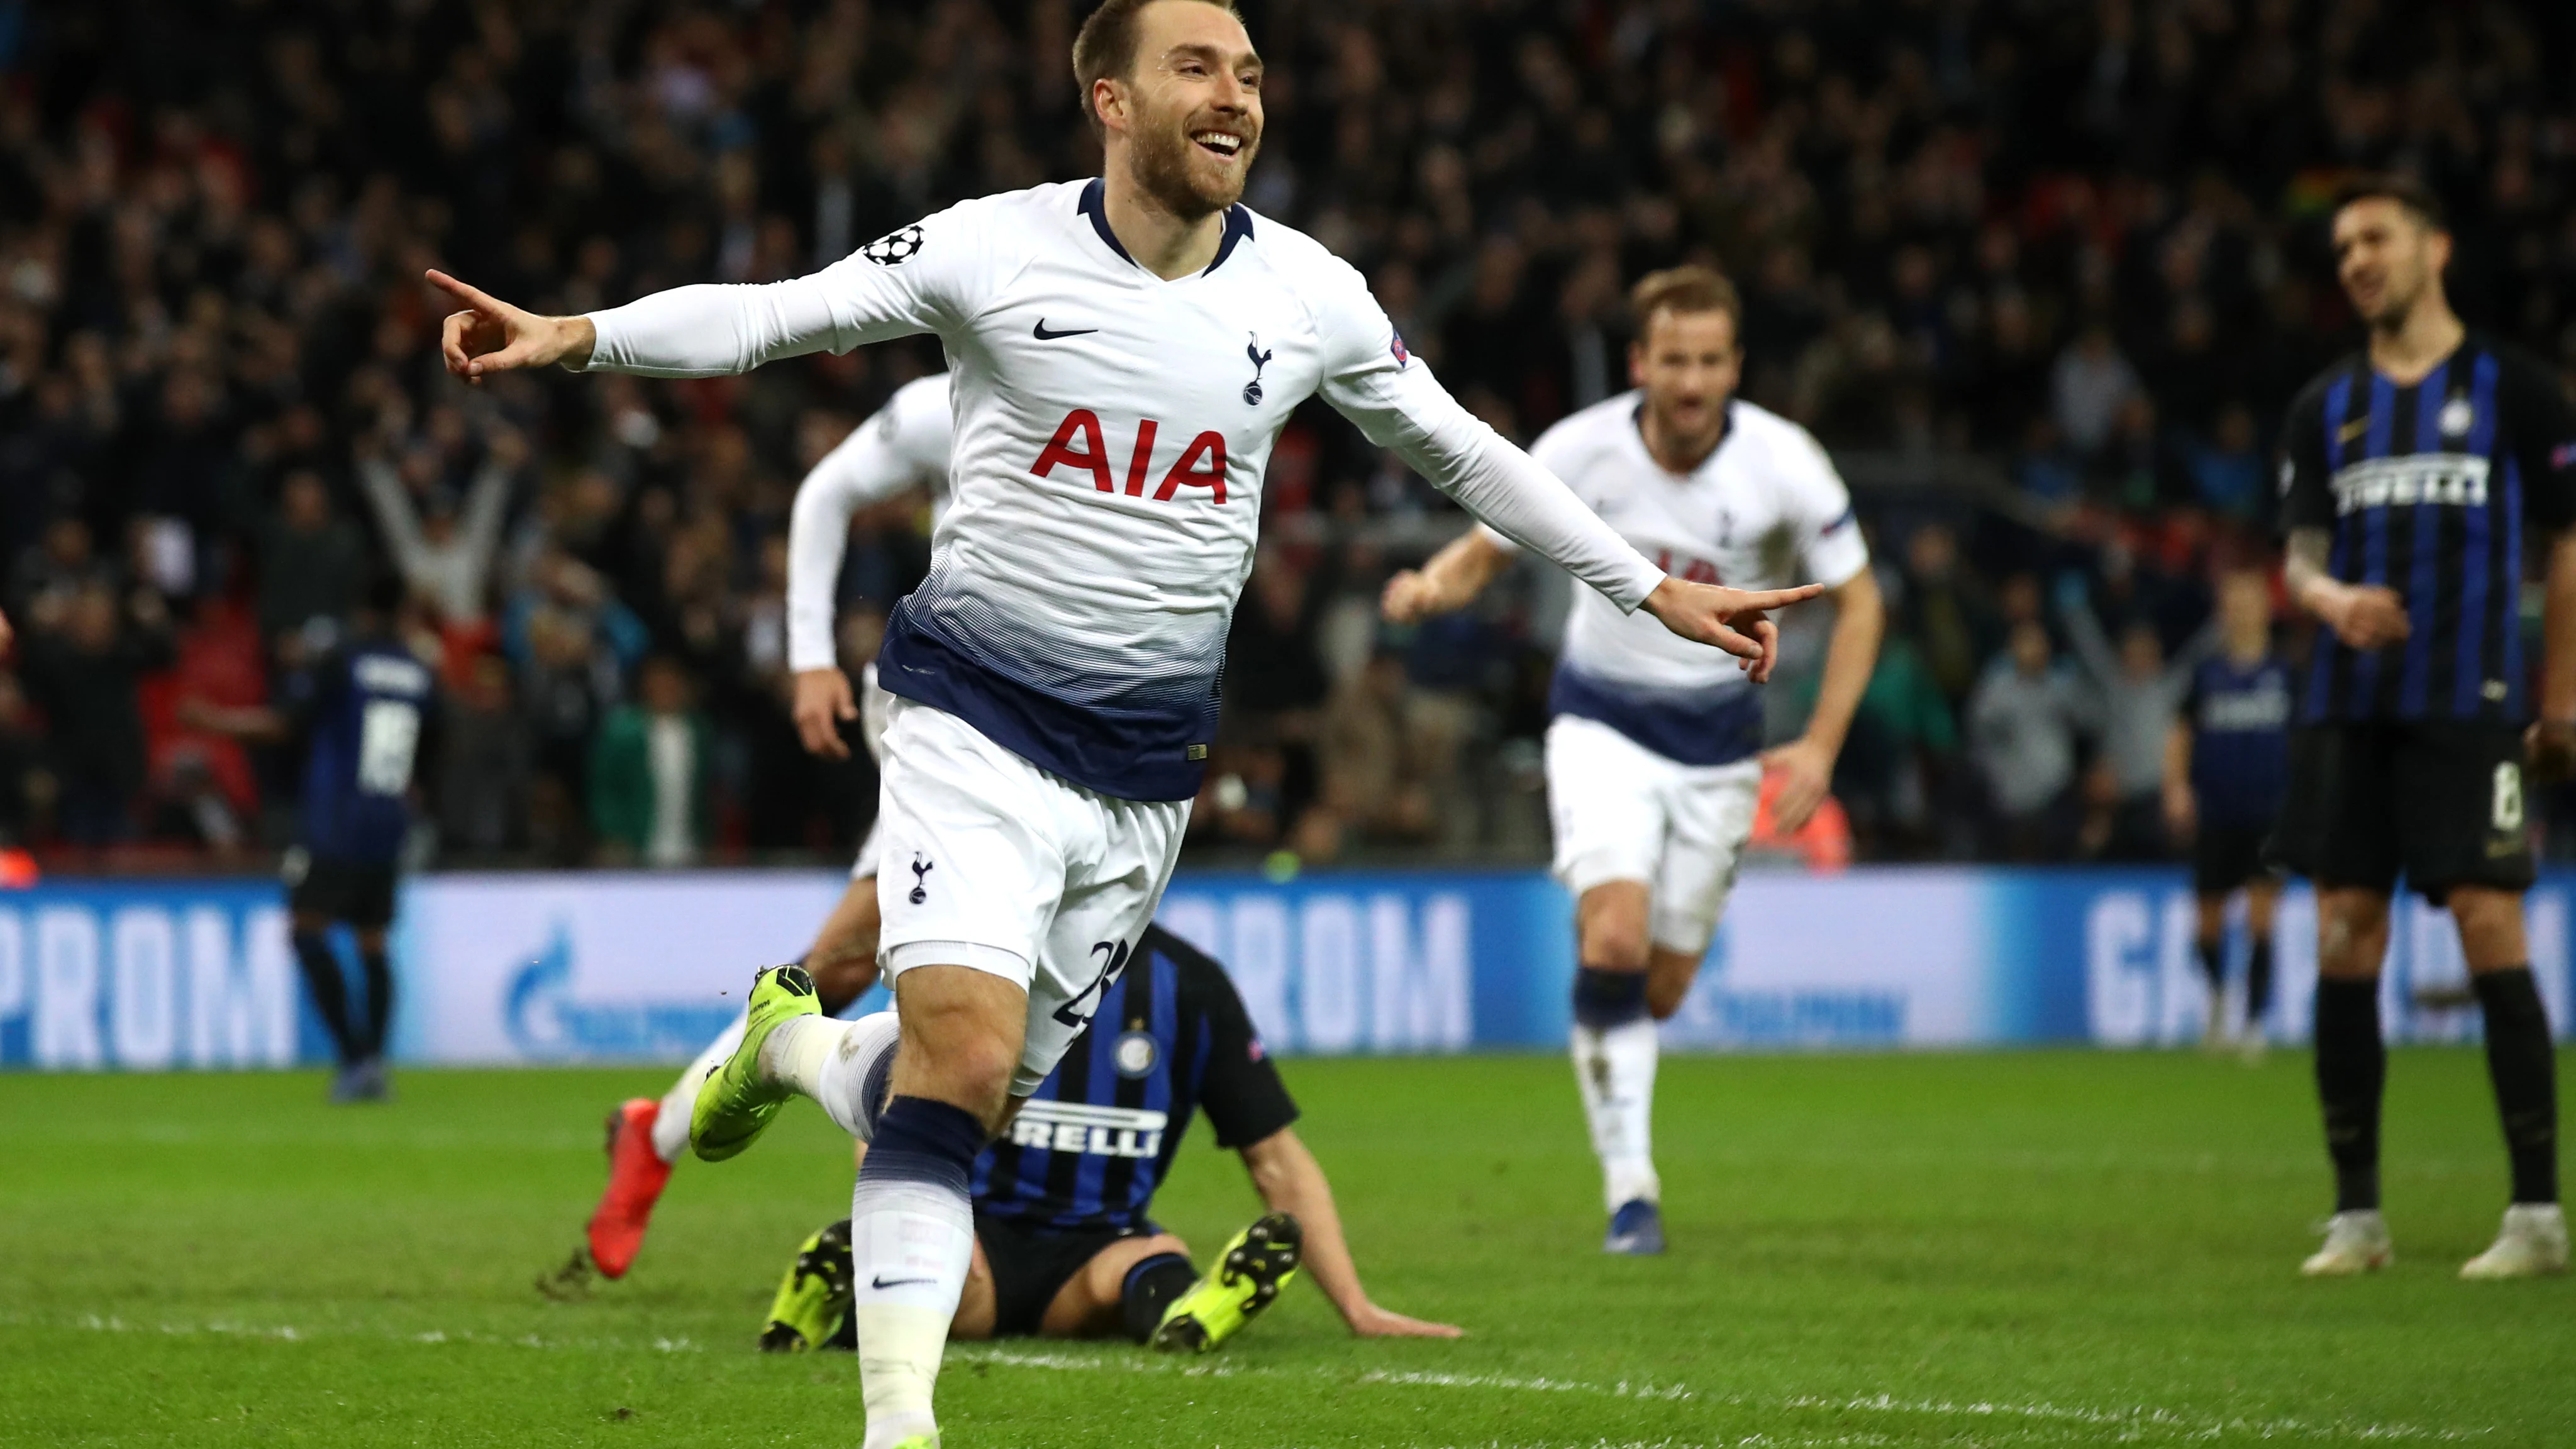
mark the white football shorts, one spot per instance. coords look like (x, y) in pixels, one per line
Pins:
(988, 861)
(1624, 812)
(873, 704)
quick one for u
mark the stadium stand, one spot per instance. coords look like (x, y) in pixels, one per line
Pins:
(2042, 275)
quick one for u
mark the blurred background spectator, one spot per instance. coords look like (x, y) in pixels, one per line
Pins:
(2042, 276)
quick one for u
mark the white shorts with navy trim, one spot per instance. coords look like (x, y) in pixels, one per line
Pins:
(1624, 812)
(985, 860)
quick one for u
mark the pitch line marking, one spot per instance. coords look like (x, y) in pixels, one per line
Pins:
(2134, 1420)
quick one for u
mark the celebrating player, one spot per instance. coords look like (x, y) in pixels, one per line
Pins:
(1064, 1246)
(1654, 758)
(2225, 766)
(361, 711)
(2409, 475)
(902, 447)
(1125, 353)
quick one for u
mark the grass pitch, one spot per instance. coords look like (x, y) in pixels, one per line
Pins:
(1959, 1250)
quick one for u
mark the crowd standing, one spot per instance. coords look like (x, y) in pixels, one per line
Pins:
(2042, 275)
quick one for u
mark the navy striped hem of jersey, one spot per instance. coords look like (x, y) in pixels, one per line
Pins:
(1128, 754)
(1716, 725)
(1238, 225)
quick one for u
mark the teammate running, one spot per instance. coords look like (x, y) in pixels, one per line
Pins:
(1125, 351)
(2409, 475)
(1064, 1246)
(1654, 758)
(902, 447)
(360, 711)
(2226, 760)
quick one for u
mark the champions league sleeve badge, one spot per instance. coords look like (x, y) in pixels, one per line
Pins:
(894, 248)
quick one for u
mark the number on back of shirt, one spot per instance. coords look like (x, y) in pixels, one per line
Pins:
(388, 734)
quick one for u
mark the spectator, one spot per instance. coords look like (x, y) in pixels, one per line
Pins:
(2087, 389)
(2022, 727)
(311, 562)
(648, 773)
(445, 556)
(2137, 694)
(27, 785)
(483, 764)
(84, 654)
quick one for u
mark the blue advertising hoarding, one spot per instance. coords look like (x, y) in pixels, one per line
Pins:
(575, 967)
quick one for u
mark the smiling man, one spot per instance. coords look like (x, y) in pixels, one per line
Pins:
(1124, 352)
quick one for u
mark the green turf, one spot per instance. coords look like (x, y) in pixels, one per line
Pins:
(2007, 1249)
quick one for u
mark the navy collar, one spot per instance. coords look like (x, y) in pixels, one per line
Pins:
(1238, 225)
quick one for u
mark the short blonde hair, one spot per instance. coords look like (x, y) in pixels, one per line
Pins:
(1684, 289)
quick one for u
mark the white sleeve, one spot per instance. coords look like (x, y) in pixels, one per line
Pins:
(1820, 512)
(904, 446)
(1396, 403)
(1557, 450)
(919, 279)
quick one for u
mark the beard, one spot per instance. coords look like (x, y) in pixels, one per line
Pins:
(1166, 168)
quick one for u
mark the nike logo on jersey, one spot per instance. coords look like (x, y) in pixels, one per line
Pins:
(1043, 335)
(882, 1281)
(2345, 435)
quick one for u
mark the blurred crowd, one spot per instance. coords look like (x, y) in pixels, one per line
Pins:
(2042, 274)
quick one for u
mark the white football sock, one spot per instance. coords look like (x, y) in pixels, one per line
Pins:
(912, 1238)
(1615, 1069)
(798, 1049)
(864, 1054)
(671, 1128)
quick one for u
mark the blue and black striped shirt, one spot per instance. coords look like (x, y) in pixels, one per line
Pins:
(1095, 1139)
(2434, 490)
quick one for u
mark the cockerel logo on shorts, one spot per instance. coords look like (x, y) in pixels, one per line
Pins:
(920, 879)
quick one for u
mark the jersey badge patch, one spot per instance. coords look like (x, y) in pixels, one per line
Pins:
(894, 248)
(2457, 416)
(1260, 360)
(1397, 348)
(1136, 1054)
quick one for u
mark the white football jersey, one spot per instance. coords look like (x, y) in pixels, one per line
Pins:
(1765, 510)
(902, 446)
(1110, 434)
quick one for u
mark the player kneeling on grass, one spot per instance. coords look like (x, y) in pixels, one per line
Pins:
(1064, 1247)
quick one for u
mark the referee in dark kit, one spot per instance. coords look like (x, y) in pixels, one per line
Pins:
(2417, 478)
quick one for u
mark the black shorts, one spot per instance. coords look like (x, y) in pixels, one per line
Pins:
(2439, 800)
(1031, 1264)
(2226, 858)
(353, 892)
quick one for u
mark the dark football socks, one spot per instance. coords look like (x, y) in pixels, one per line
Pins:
(1604, 999)
(2352, 1071)
(2521, 1064)
(380, 1000)
(1150, 1288)
(321, 966)
(2213, 964)
(2258, 983)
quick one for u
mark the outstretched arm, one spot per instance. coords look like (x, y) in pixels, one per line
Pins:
(876, 293)
(1290, 1180)
(1449, 580)
(1397, 404)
